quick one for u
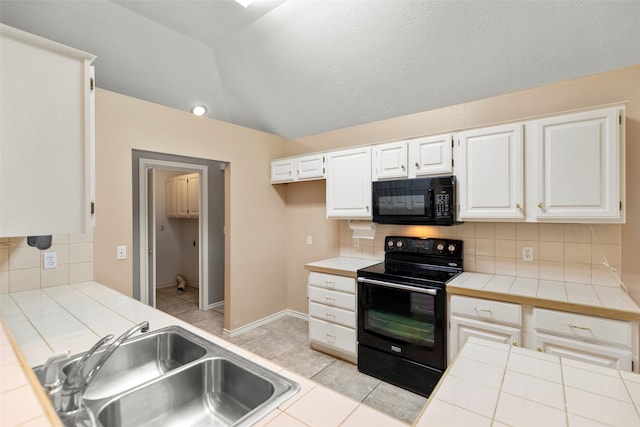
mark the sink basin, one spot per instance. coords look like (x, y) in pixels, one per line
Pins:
(214, 392)
(174, 377)
(139, 360)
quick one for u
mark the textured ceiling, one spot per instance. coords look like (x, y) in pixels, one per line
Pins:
(301, 67)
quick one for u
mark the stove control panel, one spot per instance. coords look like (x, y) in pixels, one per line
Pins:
(422, 246)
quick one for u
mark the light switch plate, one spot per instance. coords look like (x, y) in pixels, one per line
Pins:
(121, 252)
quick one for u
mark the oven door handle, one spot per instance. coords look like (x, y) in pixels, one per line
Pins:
(398, 286)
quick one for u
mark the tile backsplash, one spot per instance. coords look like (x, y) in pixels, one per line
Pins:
(561, 252)
(22, 266)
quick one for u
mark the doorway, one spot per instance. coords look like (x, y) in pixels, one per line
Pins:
(203, 241)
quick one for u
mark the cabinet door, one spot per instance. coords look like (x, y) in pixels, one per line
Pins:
(431, 155)
(310, 167)
(460, 329)
(282, 171)
(182, 196)
(490, 173)
(578, 164)
(601, 355)
(389, 160)
(46, 136)
(349, 183)
(172, 198)
(193, 196)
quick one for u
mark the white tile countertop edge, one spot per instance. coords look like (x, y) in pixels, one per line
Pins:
(613, 299)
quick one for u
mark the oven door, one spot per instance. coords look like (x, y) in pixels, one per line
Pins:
(403, 319)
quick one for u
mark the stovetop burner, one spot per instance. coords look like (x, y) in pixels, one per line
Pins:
(419, 261)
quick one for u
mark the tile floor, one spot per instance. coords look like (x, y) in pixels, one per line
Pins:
(285, 341)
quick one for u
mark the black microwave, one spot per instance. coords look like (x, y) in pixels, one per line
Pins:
(418, 201)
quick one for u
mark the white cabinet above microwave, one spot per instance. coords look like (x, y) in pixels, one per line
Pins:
(424, 156)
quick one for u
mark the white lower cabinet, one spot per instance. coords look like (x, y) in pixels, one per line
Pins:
(595, 340)
(489, 320)
(604, 342)
(332, 315)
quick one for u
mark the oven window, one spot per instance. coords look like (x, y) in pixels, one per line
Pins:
(404, 315)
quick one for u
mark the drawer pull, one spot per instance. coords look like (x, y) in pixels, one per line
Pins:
(330, 284)
(539, 348)
(330, 316)
(582, 328)
(331, 338)
(483, 310)
(330, 300)
(515, 344)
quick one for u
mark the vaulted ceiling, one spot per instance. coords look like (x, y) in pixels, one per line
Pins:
(301, 67)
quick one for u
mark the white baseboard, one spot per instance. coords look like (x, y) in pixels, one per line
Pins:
(288, 312)
(215, 305)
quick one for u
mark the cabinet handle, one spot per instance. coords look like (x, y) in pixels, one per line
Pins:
(402, 167)
(330, 316)
(539, 348)
(367, 208)
(582, 328)
(417, 165)
(518, 206)
(541, 206)
(330, 284)
(331, 338)
(330, 300)
(485, 310)
(515, 344)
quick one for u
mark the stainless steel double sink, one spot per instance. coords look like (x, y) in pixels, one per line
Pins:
(174, 377)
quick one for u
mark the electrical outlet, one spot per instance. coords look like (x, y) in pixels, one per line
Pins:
(121, 252)
(50, 260)
(527, 253)
(309, 240)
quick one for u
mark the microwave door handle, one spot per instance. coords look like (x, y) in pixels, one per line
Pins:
(429, 203)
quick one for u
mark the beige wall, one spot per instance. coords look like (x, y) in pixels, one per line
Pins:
(256, 264)
(606, 88)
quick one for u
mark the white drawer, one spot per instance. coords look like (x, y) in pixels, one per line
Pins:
(333, 282)
(332, 314)
(494, 311)
(330, 334)
(582, 326)
(332, 298)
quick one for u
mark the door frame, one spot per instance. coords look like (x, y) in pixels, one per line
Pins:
(148, 258)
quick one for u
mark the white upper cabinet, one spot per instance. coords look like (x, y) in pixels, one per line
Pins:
(490, 173)
(578, 167)
(389, 160)
(282, 171)
(183, 196)
(349, 183)
(46, 136)
(431, 155)
(309, 167)
(303, 168)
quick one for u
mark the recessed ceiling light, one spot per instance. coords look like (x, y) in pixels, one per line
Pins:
(199, 110)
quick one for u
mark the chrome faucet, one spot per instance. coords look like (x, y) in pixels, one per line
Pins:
(76, 383)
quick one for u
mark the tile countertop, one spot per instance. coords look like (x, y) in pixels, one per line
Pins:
(343, 266)
(74, 317)
(488, 382)
(603, 301)
(492, 384)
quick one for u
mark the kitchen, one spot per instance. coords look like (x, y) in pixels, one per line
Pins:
(298, 211)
